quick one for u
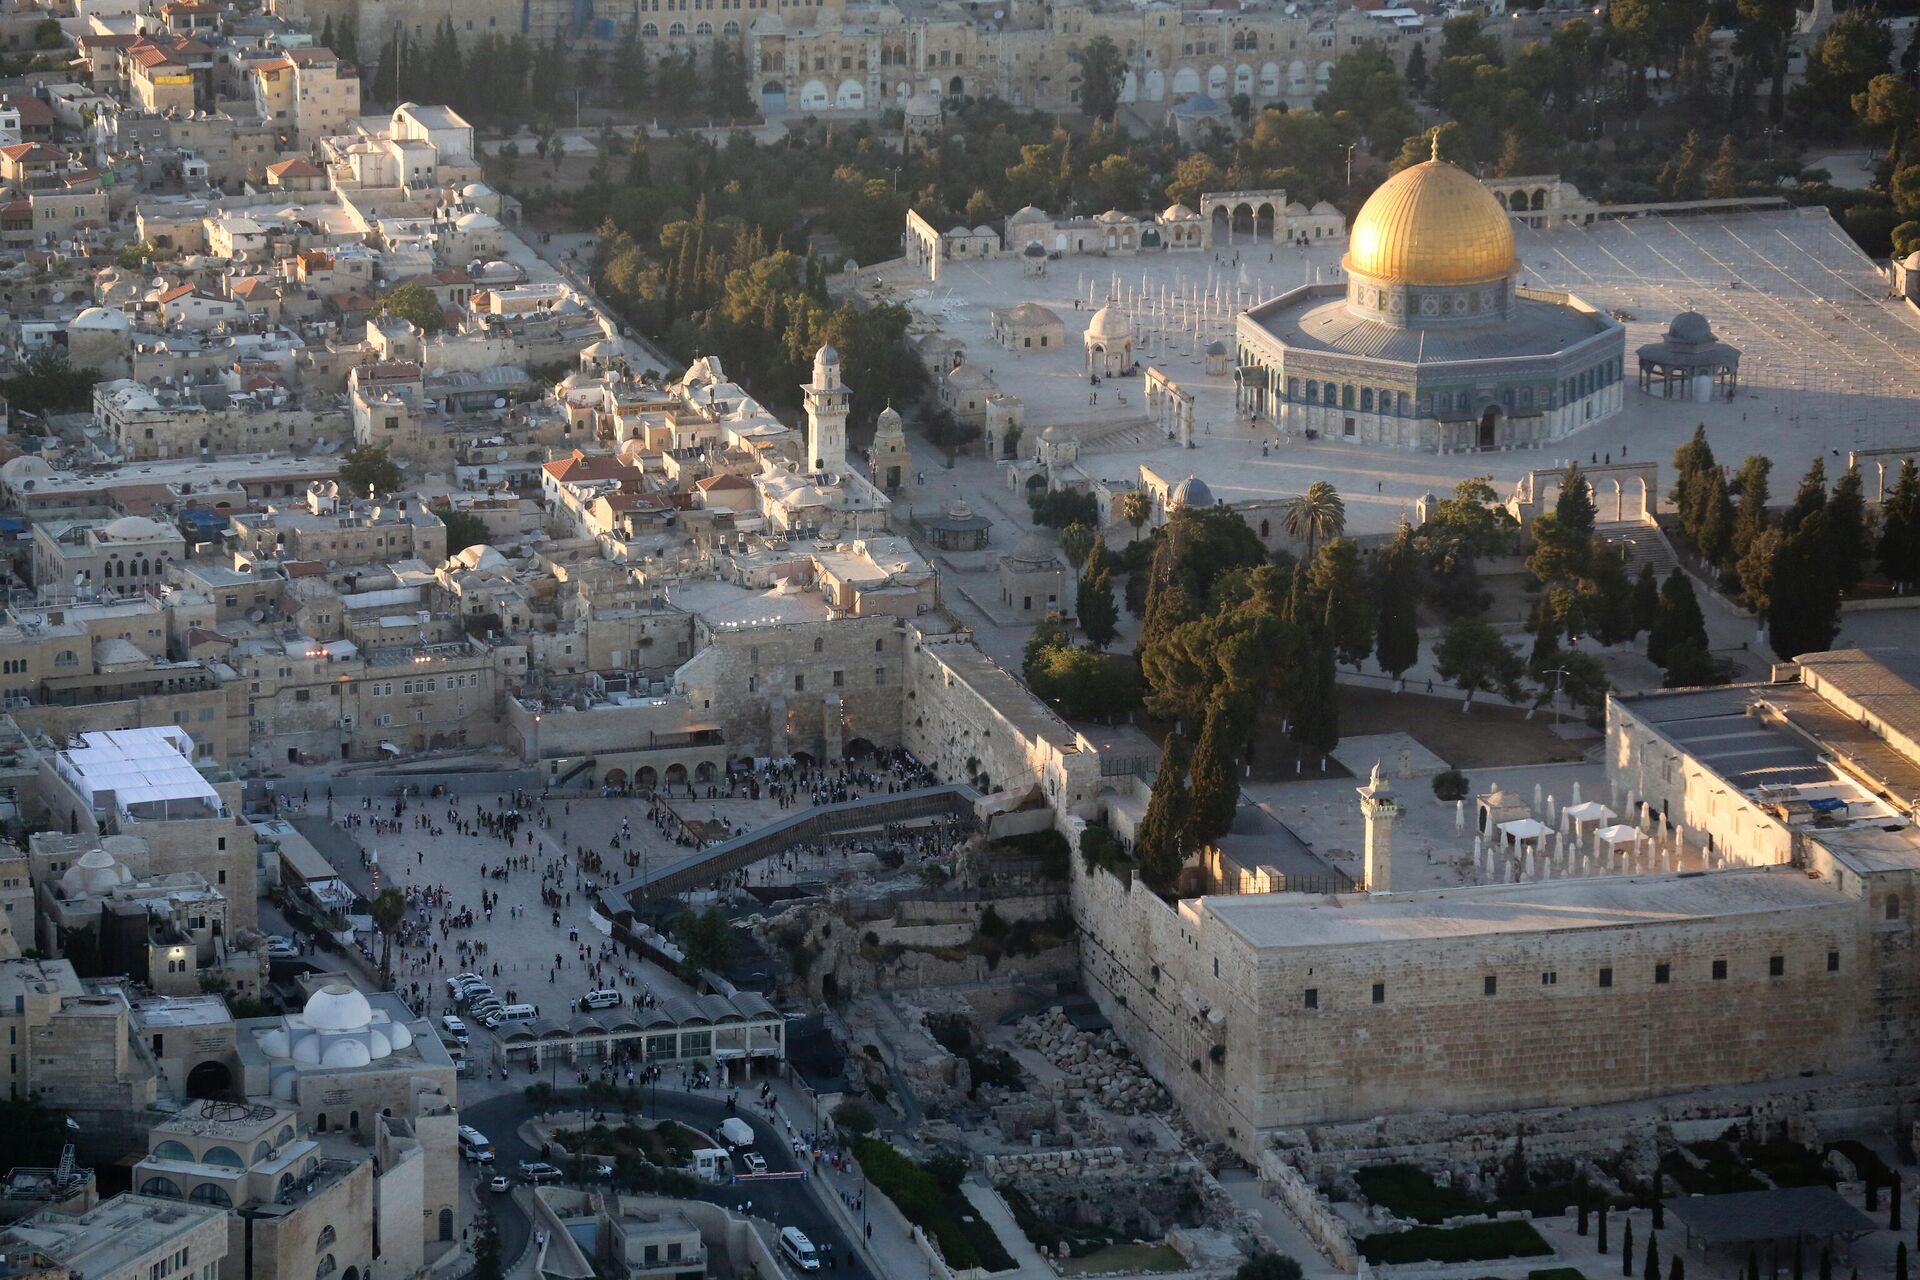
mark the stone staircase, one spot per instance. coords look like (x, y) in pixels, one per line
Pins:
(1644, 544)
(1122, 437)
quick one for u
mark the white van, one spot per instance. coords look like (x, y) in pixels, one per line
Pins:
(605, 998)
(735, 1132)
(799, 1250)
(474, 1145)
(512, 1013)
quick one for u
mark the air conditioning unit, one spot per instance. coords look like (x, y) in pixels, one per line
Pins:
(346, 722)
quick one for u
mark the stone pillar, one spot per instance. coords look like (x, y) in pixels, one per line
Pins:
(1378, 809)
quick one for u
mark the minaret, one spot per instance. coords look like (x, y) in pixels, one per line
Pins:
(1378, 809)
(826, 402)
(887, 459)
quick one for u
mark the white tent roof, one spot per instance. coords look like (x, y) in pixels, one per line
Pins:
(1618, 834)
(137, 766)
(1591, 811)
(1524, 829)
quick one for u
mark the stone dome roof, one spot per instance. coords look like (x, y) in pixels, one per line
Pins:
(477, 222)
(477, 191)
(1216, 348)
(1033, 313)
(482, 558)
(1432, 224)
(93, 873)
(1034, 552)
(337, 1007)
(1690, 326)
(1191, 492)
(1029, 214)
(104, 319)
(1035, 249)
(887, 420)
(130, 527)
(1175, 212)
(1912, 261)
(25, 467)
(923, 104)
(1109, 322)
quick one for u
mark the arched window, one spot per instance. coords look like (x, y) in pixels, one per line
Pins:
(649, 30)
(677, 31)
(326, 1268)
(212, 1193)
(286, 1135)
(66, 658)
(732, 28)
(165, 1188)
(818, 644)
(225, 1156)
(327, 1237)
(703, 29)
(171, 1150)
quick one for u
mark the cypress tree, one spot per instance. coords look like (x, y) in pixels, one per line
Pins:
(1899, 547)
(1646, 599)
(1215, 792)
(1156, 841)
(1677, 1269)
(1799, 1259)
(1626, 1249)
(1582, 1228)
(1750, 517)
(1893, 1208)
(1753, 1265)
(1396, 643)
(1677, 620)
(1659, 1198)
(1900, 1262)
(1690, 462)
(1803, 614)
(1847, 529)
(1575, 503)
(1652, 1271)
(1826, 1264)
(1602, 1230)
(1809, 498)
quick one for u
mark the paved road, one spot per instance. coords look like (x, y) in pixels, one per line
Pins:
(789, 1202)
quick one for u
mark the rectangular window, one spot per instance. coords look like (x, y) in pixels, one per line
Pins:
(1379, 993)
(1606, 977)
(1550, 978)
(1313, 997)
(1833, 962)
(1661, 974)
(839, 679)
(1777, 967)
(1490, 985)
(799, 683)
(1719, 970)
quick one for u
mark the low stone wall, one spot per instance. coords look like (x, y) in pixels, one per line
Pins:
(1109, 1186)
(1281, 1181)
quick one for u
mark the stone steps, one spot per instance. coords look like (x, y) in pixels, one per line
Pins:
(1644, 544)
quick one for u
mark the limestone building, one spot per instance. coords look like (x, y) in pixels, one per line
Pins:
(1431, 343)
(1033, 578)
(130, 1237)
(1787, 954)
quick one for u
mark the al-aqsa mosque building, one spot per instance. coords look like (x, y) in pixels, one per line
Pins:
(1431, 343)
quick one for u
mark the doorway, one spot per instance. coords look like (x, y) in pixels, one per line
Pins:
(1489, 426)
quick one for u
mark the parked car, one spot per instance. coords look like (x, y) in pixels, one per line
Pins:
(754, 1162)
(281, 948)
(456, 1028)
(536, 1172)
(500, 1185)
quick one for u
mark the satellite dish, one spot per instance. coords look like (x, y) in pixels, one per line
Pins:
(499, 402)
(502, 455)
(59, 296)
(256, 615)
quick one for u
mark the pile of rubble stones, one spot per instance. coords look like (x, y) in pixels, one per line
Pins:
(1093, 1065)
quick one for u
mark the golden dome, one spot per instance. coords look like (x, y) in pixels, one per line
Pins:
(1432, 224)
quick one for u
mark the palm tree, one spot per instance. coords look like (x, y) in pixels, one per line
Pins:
(1136, 509)
(388, 910)
(1316, 514)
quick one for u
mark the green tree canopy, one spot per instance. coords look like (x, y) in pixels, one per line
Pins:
(368, 468)
(414, 303)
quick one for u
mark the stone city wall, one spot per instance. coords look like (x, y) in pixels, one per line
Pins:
(1281, 1181)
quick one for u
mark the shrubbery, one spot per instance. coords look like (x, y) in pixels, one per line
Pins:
(932, 1200)
(1450, 784)
(1479, 1242)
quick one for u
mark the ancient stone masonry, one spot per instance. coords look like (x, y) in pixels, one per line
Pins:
(1093, 1065)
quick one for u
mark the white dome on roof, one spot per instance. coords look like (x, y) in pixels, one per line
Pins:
(104, 319)
(131, 527)
(1030, 214)
(1109, 322)
(346, 1053)
(477, 222)
(25, 467)
(94, 873)
(478, 191)
(482, 558)
(337, 1007)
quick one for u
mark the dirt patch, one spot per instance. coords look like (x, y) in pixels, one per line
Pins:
(1486, 737)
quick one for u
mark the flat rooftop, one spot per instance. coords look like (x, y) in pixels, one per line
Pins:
(1282, 921)
(1317, 320)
